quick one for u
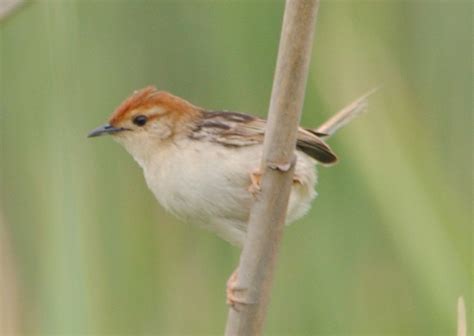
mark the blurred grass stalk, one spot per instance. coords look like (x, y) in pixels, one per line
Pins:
(8, 7)
(462, 323)
(9, 303)
(434, 263)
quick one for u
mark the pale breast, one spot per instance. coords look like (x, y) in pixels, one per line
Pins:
(204, 183)
(203, 180)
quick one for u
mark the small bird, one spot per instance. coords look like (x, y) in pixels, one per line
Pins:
(203, 166)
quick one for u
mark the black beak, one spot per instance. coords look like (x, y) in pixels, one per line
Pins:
(105, 129)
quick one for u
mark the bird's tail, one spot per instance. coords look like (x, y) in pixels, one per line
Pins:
(344, 116)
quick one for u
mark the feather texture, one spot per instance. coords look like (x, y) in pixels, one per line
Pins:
(239, 129)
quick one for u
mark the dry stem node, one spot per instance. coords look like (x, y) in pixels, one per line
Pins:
(283, 167)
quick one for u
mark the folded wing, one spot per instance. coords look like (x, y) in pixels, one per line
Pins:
(239, 129)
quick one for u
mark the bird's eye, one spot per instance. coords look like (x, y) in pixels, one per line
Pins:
(140, 120)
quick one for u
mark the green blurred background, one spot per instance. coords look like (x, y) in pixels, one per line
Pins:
(387, 246)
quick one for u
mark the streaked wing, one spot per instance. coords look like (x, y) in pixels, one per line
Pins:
(230, 128)
(238, 129)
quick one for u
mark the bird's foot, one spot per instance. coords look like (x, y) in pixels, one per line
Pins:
(232, 297)
(255, 177)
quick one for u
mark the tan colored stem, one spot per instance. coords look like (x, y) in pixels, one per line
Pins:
(8, 7)
(267, 217)
(462, 323)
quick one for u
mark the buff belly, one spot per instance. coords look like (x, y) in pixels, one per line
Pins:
(212, 190)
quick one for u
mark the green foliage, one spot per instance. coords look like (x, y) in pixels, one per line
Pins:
(387, 246)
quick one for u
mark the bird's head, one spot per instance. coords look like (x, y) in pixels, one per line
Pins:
(147, 118)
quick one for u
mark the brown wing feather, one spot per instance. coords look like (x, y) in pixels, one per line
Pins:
(312, 145)
(238, 129)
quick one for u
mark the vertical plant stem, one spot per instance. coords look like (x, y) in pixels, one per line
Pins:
(9, 300)
(8, 7)
(462, 324)
(267, 217)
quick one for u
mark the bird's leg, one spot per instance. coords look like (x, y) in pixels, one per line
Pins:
(255, 177)
(232, 298)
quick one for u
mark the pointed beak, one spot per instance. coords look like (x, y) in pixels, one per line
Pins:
(105, 129)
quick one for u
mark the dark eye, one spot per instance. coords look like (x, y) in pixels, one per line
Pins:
(140, 120)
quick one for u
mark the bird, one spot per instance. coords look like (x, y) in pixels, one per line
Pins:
(203, 165)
